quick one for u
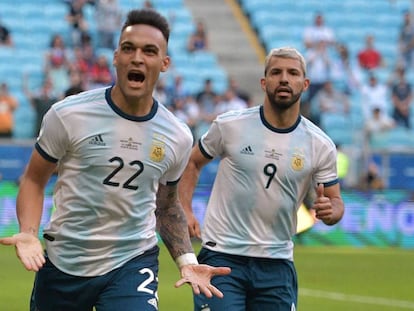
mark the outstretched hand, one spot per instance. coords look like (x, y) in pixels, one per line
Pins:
(28, 249)
(199, 277)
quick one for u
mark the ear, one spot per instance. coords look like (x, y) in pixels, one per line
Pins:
(165, 63)
(263, 84)
(115, 58)
(306, 83)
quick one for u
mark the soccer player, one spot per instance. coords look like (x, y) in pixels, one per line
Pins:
(270, 155)
(119, 155)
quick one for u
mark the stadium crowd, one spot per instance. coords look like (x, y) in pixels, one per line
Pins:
(345, 84)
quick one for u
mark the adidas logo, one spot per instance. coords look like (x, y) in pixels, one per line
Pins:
(153, 302)
(247, 150)
(97, 140)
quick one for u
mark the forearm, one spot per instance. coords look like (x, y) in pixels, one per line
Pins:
(172, 223)
(187, 186)
(29, 206)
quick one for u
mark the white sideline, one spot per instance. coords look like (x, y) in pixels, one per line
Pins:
(356, 298)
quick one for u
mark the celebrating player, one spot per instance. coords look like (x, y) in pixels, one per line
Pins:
(119, 155)
(270, 155)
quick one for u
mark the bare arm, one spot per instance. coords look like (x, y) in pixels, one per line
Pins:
(187, 186)
(171, 222)
(172, 226)
(29, 212)
(31, 193)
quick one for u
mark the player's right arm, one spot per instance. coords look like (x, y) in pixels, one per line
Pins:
(187, 185)
(29, 210)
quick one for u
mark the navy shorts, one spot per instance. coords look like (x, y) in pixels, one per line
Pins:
(131, 287)
(254, 284)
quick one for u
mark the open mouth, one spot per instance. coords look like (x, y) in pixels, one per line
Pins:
(136, 76)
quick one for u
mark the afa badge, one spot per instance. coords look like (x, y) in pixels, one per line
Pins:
(298, 162)
(157, 152)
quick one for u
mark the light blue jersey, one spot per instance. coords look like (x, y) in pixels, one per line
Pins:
(109, 168)
(263, 176)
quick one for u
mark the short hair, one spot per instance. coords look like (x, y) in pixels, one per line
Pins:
(285, 52)
(148, 17)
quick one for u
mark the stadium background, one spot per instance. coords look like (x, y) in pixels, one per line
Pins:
(383, 218)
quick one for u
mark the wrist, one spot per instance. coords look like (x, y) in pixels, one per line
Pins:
(186, 259)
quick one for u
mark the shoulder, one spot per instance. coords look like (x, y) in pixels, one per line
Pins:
(176, 125)
(240, 114)
(316, 133)
(79, 100)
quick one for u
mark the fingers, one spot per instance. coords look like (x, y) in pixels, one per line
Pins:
(320, 190)
(194, 229)
(8, 241)
(221, 271)
(33, 263)
(197, 232)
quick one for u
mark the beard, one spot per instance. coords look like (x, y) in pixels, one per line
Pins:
(282, 103)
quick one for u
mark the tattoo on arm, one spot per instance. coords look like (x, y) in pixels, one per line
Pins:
(171, 221)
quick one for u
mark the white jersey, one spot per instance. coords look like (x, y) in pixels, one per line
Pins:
(110, 166)
(263, 176)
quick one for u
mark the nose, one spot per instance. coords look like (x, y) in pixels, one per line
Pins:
(284, 76)
(138, 56)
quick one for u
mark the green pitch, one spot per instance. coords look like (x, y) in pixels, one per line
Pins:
(340, 279)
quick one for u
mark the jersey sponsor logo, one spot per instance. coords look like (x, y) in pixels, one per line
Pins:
(247, 150)
(157, 152)
(153, 302)
(97, 140)
(130, 144)
(272, 154)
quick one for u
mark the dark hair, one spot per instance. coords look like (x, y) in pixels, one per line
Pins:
(148, 17)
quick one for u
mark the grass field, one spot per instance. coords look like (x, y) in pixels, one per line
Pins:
(340, 279)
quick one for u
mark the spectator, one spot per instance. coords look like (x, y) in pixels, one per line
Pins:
(81, 63)
(374, 94)
(5, 36)
(317, 32)
(198, 39)
(57, 64)
(40, 100)
(377, 123)
(233, 85)
(8, 104)
(108, 16)
(161, 94)
(76, 85)
(319, 71)
(371, 179)
(369, 57)
(331, 100)
(229, 101)
(406, 40)
(100, 73)
(177, 89)
(207, 100)
(345, 71)
(77, 22)
(401, 97)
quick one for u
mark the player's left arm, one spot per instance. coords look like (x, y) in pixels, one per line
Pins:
(172, 227)
(328, 205)
(171, 221)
